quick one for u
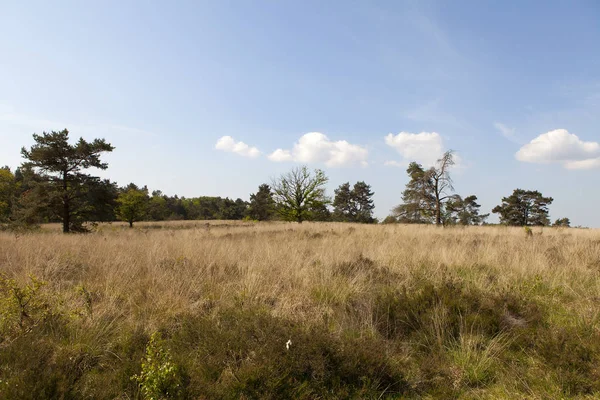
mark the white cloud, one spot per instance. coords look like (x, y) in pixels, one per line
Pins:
(507, 132)
(584, 164)
(398, 164)
(425, 147)
(227, 143)
(315, 147)
(560, 146)
(280, 155)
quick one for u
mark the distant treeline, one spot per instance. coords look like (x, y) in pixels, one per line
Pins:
(54, 185)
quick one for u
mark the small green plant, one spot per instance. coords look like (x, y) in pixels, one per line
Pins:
(160, 377)
(528, 231)
(87, 299)
(22, 306)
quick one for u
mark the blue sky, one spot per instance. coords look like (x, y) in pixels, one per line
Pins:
(358, 89)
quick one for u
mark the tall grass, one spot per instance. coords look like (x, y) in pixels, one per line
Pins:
(377, 311)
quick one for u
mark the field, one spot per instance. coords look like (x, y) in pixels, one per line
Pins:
(315, 311)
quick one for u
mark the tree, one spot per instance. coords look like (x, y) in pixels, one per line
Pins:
(132, 204)
(262, 205)
(418, 201)
(353, 205)
(319, 211)
(158, 209)
(442, 183)
(299, 191)
(363, 206)
(427, 192)
(562, 222)
(102, 197)
(8, 187)
(464, 211)
(62, 167)
(524, 208)
(343, 207)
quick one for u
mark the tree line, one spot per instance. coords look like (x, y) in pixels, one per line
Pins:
(55, 184)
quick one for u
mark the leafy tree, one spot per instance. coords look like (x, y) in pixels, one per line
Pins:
(30, 206)
(353, 205)
(563, 222)
(62, 167)
(230, 209)
(132, 204)
(299, 191)
(524, 208)
(158, 209)
(262, 205)
(464, 211)
(8, 186)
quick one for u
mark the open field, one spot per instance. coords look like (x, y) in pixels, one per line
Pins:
(372, 311)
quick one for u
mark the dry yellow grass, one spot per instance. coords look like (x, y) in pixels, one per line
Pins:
(141, 277)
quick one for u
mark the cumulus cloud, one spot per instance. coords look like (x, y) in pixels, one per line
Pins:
(280, 155)
(560, 146)
(227, 143)
(315, 147)
(425, 147)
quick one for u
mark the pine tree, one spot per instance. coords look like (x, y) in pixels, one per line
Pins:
(524, 208)
(262, 205)
(62, 167)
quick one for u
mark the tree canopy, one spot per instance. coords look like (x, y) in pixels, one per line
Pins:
(426, 193)
(299, 193)
(132, 204)
(262, 205)
(54, 184)
(524, 208)
(61, 166)
(353, 204)
(464, 211)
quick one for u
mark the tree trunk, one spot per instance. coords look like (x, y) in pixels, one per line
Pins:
(66, 210)
(438, 206)
(66, 217)
(131, 224)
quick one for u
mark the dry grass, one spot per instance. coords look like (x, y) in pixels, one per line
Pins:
(486, 304)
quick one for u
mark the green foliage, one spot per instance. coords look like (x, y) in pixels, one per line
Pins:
(132, 204)
(262, 205)
(8, 187)
(562, 222)
(64, 186)
(353, 205)
(418, 202)
(426, 194)
(390, 219)
(298, 194)
(160, 377)
(23, 307)
(463, 211)
(524, 208)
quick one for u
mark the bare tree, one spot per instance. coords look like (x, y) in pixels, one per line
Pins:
(442, 183)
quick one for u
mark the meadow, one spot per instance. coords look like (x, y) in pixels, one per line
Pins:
(243, 310)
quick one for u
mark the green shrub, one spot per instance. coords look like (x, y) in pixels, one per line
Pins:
(160, 377)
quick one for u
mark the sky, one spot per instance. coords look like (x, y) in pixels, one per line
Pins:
(216, 97)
